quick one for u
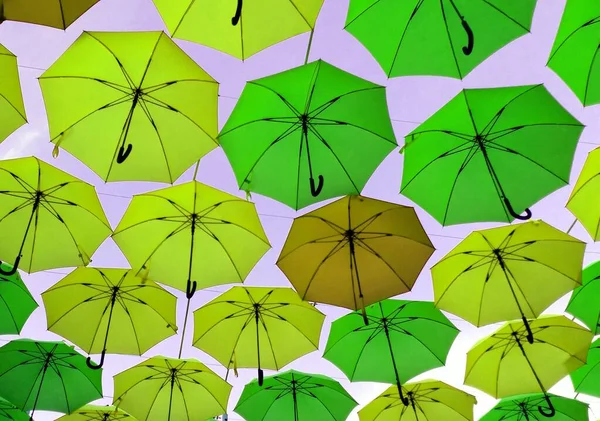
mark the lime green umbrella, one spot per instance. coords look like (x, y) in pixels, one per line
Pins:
(586, 379)
(59, 14)
(16, 302)
(489, 154)
(48, 218)
(12, 109)
(97, 413)
(585, 301)
(506, 364)
(238, 28)
(110, 310)
(132, 106)
(525, 408)
(295, 396)
(402, 340)
(9, 412)
(48, 376)
(584, 201)
(260, 327)
(440, 38)
(508, 272)
(427, 400)
(308, 134)
(168, 389)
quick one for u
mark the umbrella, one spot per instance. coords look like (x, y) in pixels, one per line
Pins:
(97, 413)
(573, 55)
(402, 340)
(219, 25)
(585, 379)
(508, 272)
(16, 302)
(56, 14)
(355, 252)
(12, 108)
(585, 301)
(9, 412)
(506, 364)
(48, 376)
(110, 310)
(584, 201)
(134, 99)
(165, 389)
(436, 38)
(48, 218)
(308, 134)
(525, 408)
(295, 396)
(489, 154)
(427, 400)
(258, 327)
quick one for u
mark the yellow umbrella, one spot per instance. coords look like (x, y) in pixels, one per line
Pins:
(584, 201)
(12, 110)
(56, 14)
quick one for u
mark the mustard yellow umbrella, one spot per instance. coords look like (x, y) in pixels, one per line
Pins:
(12, 110)
(584, 202)
(56, 14)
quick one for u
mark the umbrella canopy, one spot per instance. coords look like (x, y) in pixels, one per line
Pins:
(586, 379)
(260, 327)
(436, 38)
(585, 301)
(427, 400)
(584, 202)
(56, 14)
(12, 108)
(16, 302)
(110, 310)
(219, 25)
(97, 413)
(402, 340)
(308, 134)
(48, 376)
(506, 364)
(132, 106)
(168, 389)
(192, 235)
(508, 272)
(9, 412)
(48, 218)
(489, 154)
(573, 55)
(295, 396)
(525, 407)
(355, 252)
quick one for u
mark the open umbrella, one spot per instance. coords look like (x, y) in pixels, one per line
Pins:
(525, 408)
(257, 327)
(584, 201)
(295, 396)
(585, 301)
(355, 252)
(97, 413)
(402, 340)
(110, 310)
(586, 379)
(9, 412)
(308, 134)
(16, 302)
(489, 154)
(238, 28)
(12, 109)
(438, 38)
(132, 106)
(58, 14)
(48, 218)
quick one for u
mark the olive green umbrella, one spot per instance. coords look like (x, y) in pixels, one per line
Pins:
(59, 14)
(16, 302)
(12, 109)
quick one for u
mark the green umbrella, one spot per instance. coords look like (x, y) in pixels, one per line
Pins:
(439, 38)
(12, 108)
(489, 154)
(16, 302)
(525, 408)
(97, 413)
(585, 301)
(295, 396)
(308, 134)
(402, 340)
(9, 412)
(49, 376)
(586, 379)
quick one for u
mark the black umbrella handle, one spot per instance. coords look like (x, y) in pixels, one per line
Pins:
(471, 41)
(547, 412)
(238, 13)
(99, 366)
(315, 190)
(13, 270)
(123, 153)
(514, 214)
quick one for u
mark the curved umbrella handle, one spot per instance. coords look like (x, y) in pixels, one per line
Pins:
(238, 13)
(315, 191)
(190, 289)
(515, 215)
(123, 154)
(469, 48)
(100, 364)
(13, 270)
(261, 377)
(551, 410)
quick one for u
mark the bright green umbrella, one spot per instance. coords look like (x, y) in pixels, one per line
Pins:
(132, 106)
(110, 311)
(438, 38)
(585, 301)
(308, 134)
(59, 14)
(402, 340)
(16, 302)
(12, 109)
(48, 376)
(9, 412)
(525, 408)
(97, 413)
(48, 218)
(295, 396)
(489, 154)
(586, 379)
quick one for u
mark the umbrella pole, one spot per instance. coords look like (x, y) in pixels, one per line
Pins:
(191, 286)
(354, 272)
(37, 396)
(89, 360)
(310, 40)
(404, 400)
(171, 395)
(260, 372)
(412, 403)
(15, 265)
(295, 398)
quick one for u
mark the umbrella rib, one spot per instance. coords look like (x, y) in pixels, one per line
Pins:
(344, 123)
(323, 107)
(216, 238)
(146, 111)
(368, 248)
(13, 107)
(262, 321)
(10, 313)
(387, 234)
(300, 13)
(93, 298)
(133, 327)
(123, 89)
(329, 255)
(443, 10)
(128, 79)
(285, 101)
(62, 382)
(362, 350)
(226, 222)
(313, 86)
(374, 3)
(293, 121)
(151, 89)
(589, 23)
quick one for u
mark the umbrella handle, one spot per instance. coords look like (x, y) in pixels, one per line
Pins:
(190, 289)
(123, 154)
(238, 13)
(469, 48)
(315, 191)
(100, 364)
(552, 410)
(261, 377)
(515, 215)
(13, 270)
